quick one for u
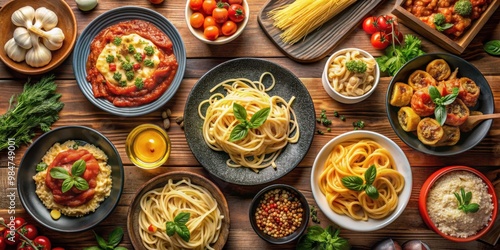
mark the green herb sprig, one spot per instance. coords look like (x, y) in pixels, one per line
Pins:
(397, 55)
(240, 131)
(464, 202)
(319, 238)
(441, 102)
(356, 183)
(179, 226)
(112, 244)
(74, 179)
(440, 22)
(356, 66)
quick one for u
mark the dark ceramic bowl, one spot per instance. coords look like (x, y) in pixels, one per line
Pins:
(27, 169)
(427, 186)
(287, 85)
(305, 215)
(485, 104)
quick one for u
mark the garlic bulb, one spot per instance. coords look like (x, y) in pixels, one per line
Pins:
(45, 18)
(23, 16)
(39, 55)
(22, 38)
(13, 50)
(53, 39)
(86, 5)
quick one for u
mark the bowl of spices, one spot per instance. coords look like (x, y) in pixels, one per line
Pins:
(459, 203)
(148, 146)
(279, 213)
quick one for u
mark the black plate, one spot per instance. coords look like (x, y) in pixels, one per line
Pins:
(82, 50)
(287, 85)
(27, 169)
(485, 104)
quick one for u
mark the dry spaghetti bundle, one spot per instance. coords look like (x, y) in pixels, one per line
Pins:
(303, 16)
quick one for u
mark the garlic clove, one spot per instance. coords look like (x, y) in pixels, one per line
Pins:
(53, 39)
(86, 5)
(39, 55)
(22, 38)
(23, 16)
(13, 51)
(45, 18)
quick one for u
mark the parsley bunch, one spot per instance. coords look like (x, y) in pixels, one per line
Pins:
(397, 55)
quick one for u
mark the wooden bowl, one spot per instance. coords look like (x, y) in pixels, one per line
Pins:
(159, 182)
(67, 23)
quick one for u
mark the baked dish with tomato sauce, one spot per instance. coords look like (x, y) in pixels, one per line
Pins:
(417, 113)
(131, 63)
(73, 179)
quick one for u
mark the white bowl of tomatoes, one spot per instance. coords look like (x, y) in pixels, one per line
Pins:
(216, 22)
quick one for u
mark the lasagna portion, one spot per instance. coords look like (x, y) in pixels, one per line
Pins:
(131, 63)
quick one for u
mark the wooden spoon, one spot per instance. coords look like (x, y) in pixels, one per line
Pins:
(474, 120)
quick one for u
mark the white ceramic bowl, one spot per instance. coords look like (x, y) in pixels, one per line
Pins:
(343, 98)
(198, 33)
(402, 165)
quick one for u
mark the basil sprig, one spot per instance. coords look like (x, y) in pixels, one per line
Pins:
(179, 226)
(72, 179)
(441, 102)
(240, 131)
(356, 183)
(464, 202)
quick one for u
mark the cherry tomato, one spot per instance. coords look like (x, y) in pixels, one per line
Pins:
(209, 21)
(386, 23)
(3, 245)
(195, 4)
(422, 103)
(235, 1)
(42, 243)
(220, 13)
(229, 28)
(9, 239)
(236, 13)
(370, 25)
(57, 248)
(211, 32)
(29, 231)
(379, 40)
(112, 67)
(208, 6)
(23, 245)
(19, 222)
(196, 20)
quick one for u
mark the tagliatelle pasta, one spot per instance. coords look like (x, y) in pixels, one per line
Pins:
(353, 159)
(348, 83)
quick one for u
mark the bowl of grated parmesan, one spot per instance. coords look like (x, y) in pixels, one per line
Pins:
(459, 203)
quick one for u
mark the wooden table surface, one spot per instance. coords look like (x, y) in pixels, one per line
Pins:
(254, 43)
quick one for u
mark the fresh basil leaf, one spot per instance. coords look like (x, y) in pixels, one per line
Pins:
(101, 241)
(332, 231)
(467, 198)
(92, 248)
(328, 246)
(353, 183)
(259, 117)
(183, 232)
(239, 112)
(472, 208)
(340, 243)
(462, 194)
(80, 183)
(239, 132)
(372, 192)
(370, 174)
(115, 237)
(305, 243)
(314, 231)
(182, 218)
(59, 173)
(67, 185)
(120, 248)
(458, 198)
(78, 168)
(492, 47)
(440, 114)
(170, 228)
(41, 166)
(434, 93)
(450, 98)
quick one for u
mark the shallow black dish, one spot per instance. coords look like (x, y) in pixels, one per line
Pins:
(485, 104)
(82, 50)
(27, 169)
(305, 216)
(287, 85)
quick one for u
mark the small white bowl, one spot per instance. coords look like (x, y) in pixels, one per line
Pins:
(198, 33)
(344, 221)
(343, 98)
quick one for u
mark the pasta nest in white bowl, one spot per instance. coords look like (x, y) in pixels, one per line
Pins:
(358, 155)
(350, 75)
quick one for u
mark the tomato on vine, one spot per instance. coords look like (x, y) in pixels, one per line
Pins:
(380, 40)
(370, 25)
(386, 23)
(42, 243)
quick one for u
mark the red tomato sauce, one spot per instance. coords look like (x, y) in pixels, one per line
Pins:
(73, 197)
(154, 86)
